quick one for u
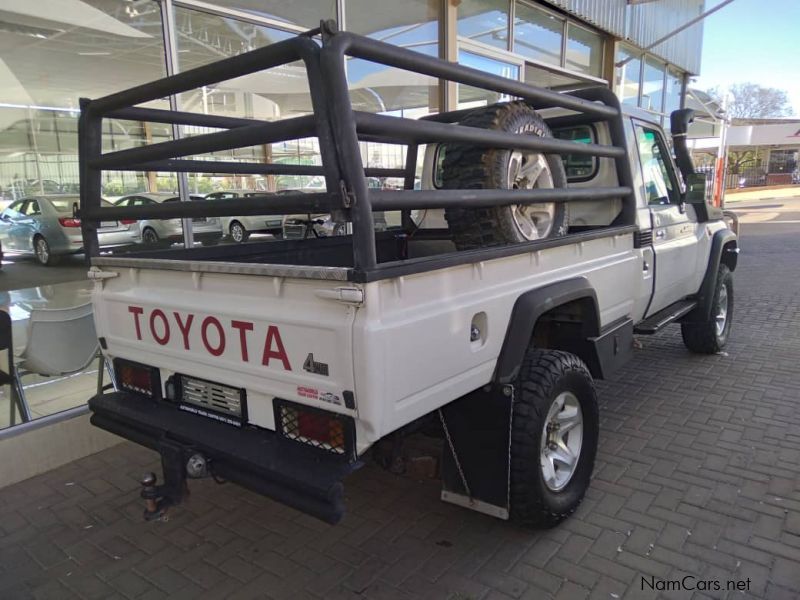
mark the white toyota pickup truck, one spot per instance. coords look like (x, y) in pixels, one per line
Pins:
(547, 231)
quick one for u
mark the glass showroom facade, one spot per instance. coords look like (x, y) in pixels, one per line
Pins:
(91, 48)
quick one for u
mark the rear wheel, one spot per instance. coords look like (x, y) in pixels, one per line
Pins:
(238, 233)
(711, 335)
(150, 237)
(554, 436)
(468, 167)
(41, 249)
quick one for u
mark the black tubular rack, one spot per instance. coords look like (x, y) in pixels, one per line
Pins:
(339, 129)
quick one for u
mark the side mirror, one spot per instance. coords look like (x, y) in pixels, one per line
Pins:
(696, 188)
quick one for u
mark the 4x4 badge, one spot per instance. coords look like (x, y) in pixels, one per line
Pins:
(315, 367)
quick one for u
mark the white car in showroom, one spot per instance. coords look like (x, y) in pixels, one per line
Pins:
(207, 230)
(239, 228)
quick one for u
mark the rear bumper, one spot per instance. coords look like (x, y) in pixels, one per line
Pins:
(262, 224)
(258, 459)
(199, 236)
(116, 238)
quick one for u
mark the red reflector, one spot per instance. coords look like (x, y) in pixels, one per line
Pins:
(69, 222)
(141, 379)
(313, 427)
(316, 428)
(127, 221)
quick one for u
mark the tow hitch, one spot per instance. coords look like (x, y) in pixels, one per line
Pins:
(176, 467)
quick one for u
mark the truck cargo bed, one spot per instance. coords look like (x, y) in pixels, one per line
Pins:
(331, 258)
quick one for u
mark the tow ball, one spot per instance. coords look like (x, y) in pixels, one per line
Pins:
(176, 468)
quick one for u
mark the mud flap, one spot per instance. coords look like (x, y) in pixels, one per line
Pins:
(476, 459)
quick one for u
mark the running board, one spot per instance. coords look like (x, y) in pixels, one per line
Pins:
(664, 317)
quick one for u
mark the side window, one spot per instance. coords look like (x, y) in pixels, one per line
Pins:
(124, 202)
(32, 209)
(653, 156)
(14, 208)
(579, 167)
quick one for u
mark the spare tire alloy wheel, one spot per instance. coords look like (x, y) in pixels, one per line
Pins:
(469, 167)
(527, 172)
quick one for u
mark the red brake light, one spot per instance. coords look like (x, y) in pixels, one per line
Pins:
(127, 221)
(313, 427)
(69, 222)
(134, 377)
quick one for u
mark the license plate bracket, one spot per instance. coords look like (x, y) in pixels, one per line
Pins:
(216, 401)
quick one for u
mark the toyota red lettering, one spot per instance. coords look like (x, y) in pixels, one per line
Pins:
(220, 347)
(213, 334)
(161, 339)
(184, 327)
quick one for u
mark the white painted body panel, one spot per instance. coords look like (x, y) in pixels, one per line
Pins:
(305, 322)
(412, 336)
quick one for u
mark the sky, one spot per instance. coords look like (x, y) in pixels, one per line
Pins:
(754, 41)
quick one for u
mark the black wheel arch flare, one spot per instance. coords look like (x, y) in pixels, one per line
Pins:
(530, 307)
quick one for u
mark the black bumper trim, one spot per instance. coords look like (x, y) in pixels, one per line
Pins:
(258, 459)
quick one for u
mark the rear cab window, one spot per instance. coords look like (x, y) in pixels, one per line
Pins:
(579, 167)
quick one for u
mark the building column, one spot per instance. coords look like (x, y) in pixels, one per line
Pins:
(448, 50)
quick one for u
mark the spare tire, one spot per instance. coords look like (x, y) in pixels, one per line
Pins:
(469, 167)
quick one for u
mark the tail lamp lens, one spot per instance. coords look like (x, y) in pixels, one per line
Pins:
(316, 428)
(127, 221)
(137, 378)
(69, 222)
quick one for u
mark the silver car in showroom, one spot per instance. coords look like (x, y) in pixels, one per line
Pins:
(239, 228)
(166, 231)
(44, 226)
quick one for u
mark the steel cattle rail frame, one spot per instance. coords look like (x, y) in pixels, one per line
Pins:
(339, 130)
(239, 133)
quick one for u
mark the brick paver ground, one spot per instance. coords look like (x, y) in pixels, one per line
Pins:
(697, 475)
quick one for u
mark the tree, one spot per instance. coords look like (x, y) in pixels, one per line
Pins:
(753, 101)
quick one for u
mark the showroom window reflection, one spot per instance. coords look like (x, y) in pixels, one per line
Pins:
(648, 82)
(99, 47)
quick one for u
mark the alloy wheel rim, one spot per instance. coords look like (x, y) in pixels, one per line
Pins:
(150, 237)
(529, 171)
(42, 251)
(236, 233)
(562, 439)
(722, 310)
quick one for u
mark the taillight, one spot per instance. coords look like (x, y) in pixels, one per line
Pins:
(127, 221)
(137, 378)
(314, 427)
(69, 222)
